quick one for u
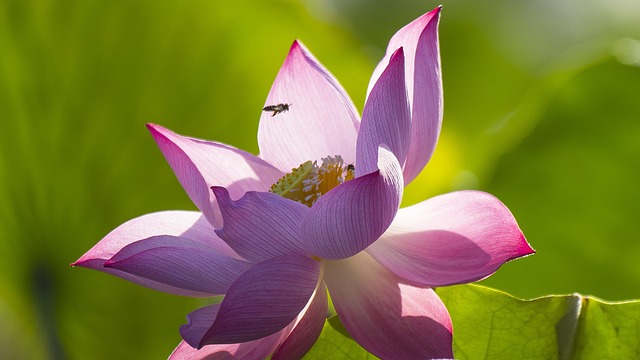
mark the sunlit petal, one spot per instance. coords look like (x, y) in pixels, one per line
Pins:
(419, 39)
(450, 239)
(389, 318)
(321, 121)
(200, 164)
(386, 118)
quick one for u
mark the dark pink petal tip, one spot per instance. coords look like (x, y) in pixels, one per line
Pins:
(79, 263)
(524, 249)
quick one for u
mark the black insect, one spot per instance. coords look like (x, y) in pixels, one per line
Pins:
(350, 173)
(277, 109)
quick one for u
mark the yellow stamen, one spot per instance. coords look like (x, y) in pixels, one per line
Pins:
(308, 182)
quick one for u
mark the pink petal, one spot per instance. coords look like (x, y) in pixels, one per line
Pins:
(260, 226)
(419, 39)
(179, 262)
(321, 120)
(200, 164)
(199, 322)
(451, 239)
(386, 118)
(264, 300)
(189, 225)
(308, 329)
(353, 215)
(387, 317)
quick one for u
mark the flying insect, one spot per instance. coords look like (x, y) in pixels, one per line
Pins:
(277, 109)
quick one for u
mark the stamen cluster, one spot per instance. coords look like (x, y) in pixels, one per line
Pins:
(308, 182)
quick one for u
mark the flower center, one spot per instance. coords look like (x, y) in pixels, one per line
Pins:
(308, 182)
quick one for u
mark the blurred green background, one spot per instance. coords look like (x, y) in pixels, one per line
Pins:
(542, 109)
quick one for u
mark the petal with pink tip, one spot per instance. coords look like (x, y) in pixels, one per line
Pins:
(321, 120)
(389, 318)
(199, 322)
(353, 215)
(450, 239)
(200, 164)
(386, 118)
(264, 300)
(308, 329)
(419, 39)
(179, 262)
(189, 225)
(260, 225)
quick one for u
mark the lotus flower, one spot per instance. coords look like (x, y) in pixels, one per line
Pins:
(318, 210)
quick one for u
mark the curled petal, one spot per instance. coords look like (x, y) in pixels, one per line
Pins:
(419, 39)
(386, 118)
(353, 215)
(200, 164)
(260, 226)
(389, 318)
(307, 329)
(188, 225)
(450, 239)
(179, 262)
(321, 120)
(252, 350)
(292, 342)
(199, 322)
(264, 300)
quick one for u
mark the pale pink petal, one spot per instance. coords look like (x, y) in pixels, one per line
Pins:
(308, 329)
(353, 215)
(386, 118)
(419, 39)
(321, 120)
(387, 317)
(451, 239)
(261, 225)
(189, 225)
(264, 300)
(179, 262)
(200, 164)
